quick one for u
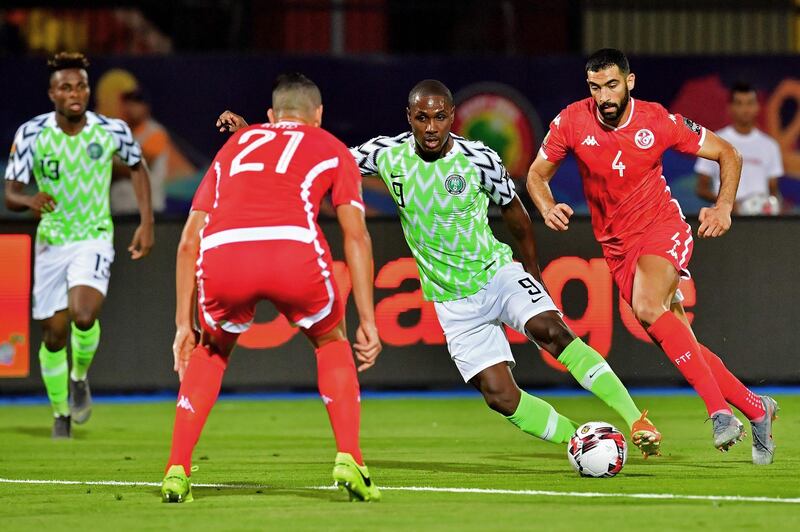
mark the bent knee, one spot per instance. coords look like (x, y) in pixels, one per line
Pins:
(503, 402)
(550, 331)
(54, 340)
(84, 320)
(648, 310)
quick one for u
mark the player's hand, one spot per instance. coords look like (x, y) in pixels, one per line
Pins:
(143, 239)
(42, 202)
(367, 345)
(557, 217)
(185, 341)
(231, 122)
(714, 221)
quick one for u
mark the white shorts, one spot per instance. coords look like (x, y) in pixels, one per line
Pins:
(56, 269)
(473, 325)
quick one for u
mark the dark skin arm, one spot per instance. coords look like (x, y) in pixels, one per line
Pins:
(230, 121)
(143, 237)
(519, 224)
(17, 200)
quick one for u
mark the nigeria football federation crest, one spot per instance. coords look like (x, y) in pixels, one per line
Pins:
(455, 184)
(94, 150)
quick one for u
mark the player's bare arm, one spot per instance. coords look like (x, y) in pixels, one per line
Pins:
(519, 225)
(230, 122)
(716, 220)
(556, 215)
(143, 237)
(358, 254)
(18, 201)
(185, 288)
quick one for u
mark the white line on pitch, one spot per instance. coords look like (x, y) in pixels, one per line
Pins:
(485, 491)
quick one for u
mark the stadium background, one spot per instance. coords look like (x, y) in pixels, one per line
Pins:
(512, 65)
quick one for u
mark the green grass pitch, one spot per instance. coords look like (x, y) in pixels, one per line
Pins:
(275, 458)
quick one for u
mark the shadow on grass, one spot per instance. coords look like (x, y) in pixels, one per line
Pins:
(200, 493)
(42, 432)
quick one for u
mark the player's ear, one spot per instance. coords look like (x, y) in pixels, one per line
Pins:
(631, 81)
(318, 116)
(271, 115)
(408, 115)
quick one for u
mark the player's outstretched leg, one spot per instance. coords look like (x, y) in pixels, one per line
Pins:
(197, 395)
(594, 374)
(338, 386)
(530, 414)
(84, 344)
(654, 286)
(760, 410)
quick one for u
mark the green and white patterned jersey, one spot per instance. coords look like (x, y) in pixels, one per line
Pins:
(75, 171)
(443, 209)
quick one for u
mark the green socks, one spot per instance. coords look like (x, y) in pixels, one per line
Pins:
(84, 345)
(538, 418)
(54, 375)
(595, 375)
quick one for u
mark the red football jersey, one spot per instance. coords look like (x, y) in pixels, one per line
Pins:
(275, 176)
(621, 166)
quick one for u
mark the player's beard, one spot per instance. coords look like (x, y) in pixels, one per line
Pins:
(619, 109)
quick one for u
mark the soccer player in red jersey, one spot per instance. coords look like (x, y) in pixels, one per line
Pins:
(619, 142)
(252, 234)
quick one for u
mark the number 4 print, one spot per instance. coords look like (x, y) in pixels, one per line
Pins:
(617, 164)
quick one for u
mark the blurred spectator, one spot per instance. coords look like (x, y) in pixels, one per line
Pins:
(11, 42)
(762, 163)
(166, 162)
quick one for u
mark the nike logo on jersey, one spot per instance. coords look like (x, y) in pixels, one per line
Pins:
(590, 141)
(395, 176)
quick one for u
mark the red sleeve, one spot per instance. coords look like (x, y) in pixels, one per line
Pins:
(346, 180)
(206, 193)
(682, 134)
(556, 143)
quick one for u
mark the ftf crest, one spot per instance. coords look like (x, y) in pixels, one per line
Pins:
(644, 138)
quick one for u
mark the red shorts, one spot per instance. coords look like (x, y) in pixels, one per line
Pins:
(670, 239)
(297, 279)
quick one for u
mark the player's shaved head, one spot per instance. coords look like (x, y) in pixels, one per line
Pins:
(295, 95)
(606, 58)
(427, 88)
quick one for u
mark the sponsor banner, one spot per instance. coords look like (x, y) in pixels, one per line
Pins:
(15, 311)
(742, 301)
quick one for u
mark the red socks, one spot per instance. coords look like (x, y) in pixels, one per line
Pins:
(683, 350)
(732, 388)
(198, 393)
(338, 387)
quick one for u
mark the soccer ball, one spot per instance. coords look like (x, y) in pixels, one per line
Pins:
(597, 449)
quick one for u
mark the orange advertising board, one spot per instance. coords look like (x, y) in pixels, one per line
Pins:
(15, 291)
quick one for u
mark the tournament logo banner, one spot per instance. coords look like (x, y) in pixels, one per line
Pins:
(501, 118)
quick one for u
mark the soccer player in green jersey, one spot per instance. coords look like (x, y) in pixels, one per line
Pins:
(442, 185)
(69, 153)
